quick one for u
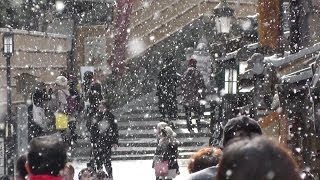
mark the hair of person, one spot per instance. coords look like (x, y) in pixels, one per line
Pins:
(204, 158)
(90, 170)
(47, 155)
(21, 166)
(258, 158)
(239, 127)
(70, 167)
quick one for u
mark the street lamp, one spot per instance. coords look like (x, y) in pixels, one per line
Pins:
(7, 52)
(223, 15)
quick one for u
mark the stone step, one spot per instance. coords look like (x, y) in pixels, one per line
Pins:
(148, 125)
(181, 133)
(154, 117)
(156, 110)
(182, 155)
(129, 151)
(148, 142)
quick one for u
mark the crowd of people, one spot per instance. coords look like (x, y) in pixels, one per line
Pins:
(57, 110)
(244, 154)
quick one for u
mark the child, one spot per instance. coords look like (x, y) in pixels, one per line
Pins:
(167, 152)
(160, 126)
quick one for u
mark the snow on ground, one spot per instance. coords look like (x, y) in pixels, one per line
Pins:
(133, 169)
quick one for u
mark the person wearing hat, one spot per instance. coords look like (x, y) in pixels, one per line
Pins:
(167, 151)
(193, 87)
(236, 129)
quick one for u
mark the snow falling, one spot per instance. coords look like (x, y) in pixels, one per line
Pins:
(148, 85)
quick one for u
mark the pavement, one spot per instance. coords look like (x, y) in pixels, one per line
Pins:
(134, 169)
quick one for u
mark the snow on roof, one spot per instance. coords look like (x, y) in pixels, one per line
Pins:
(279, 61)
(33, 33)
(298, 75)
(229, 56)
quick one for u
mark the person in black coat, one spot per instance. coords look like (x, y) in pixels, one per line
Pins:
(95, 97)
(106, 136)
(166, 91)
(193, 88)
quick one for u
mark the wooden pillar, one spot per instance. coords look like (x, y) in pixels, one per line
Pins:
(269, 25)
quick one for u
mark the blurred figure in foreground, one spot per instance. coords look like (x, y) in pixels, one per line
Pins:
(68, 172)
(21, 172)
(236, 129)
(87, 174)
(204, 158)
(47, 156)
(257, 159)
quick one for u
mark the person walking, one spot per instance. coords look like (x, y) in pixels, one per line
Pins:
(94, 98)
(193, 88)
(61, 100)
(166, 91)
(38, 123)
(165, 160)
(74, 107)
(106, 135)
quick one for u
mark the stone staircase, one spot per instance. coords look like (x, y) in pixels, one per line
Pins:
(137, 121)
(153, 21)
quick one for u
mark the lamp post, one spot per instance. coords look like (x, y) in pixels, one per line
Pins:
(7, 52)
(223, 15)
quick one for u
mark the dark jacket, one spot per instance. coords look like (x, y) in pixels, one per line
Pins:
(192, 81)
(104, 130)
(167, 152)
(168, 82)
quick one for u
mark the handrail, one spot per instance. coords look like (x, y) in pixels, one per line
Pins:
(161, 39)
(151, 16)
(175, 17)
(149, 24)
(175, 2)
